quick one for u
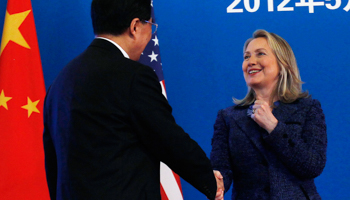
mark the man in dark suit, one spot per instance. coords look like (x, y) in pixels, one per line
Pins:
(107, 124)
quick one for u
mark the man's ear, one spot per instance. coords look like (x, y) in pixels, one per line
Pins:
(134, 26)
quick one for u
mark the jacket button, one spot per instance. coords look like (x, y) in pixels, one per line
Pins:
(264, 163)
(291, 143)
(267, 189)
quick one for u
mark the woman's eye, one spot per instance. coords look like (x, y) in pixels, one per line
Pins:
(261, 53)
(246, 57)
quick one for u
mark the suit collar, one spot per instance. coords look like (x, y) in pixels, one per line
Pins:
(106, 45)
(115, 44)
(282, 112)
(285, 110)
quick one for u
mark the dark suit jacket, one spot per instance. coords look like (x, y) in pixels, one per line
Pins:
(281, 165)
(108, 126)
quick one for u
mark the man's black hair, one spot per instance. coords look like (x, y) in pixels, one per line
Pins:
(114, 16)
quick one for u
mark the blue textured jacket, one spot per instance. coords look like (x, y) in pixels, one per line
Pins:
(281, 165)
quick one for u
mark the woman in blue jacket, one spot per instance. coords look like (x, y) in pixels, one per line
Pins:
(271, 144)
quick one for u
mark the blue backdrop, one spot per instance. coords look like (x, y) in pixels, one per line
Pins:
(201, 46)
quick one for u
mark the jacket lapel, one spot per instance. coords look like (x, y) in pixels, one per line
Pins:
(253, 131)
(285, 110)
(249, 127)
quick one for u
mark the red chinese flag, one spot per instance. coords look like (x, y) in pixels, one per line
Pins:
(22, 93)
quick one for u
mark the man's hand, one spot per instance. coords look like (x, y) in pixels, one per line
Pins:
(220, 185)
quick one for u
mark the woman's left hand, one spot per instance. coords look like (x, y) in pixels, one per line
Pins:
(262, 115)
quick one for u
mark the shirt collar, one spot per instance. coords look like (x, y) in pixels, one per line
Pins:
(121, 49)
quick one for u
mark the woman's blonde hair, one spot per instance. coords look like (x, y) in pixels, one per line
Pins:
(288, 88)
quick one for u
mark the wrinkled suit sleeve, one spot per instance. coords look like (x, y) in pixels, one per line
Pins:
(158, 131)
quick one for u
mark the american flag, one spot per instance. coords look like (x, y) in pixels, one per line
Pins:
(170, 184)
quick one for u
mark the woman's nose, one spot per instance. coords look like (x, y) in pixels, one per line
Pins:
(252, 61)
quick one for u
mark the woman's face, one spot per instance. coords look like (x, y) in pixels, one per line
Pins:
(260, 67)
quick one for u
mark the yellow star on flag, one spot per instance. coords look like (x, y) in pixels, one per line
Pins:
(4, 100)
(11, 30)
(31, 107)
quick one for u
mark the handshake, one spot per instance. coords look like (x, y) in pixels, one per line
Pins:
(220, 185)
